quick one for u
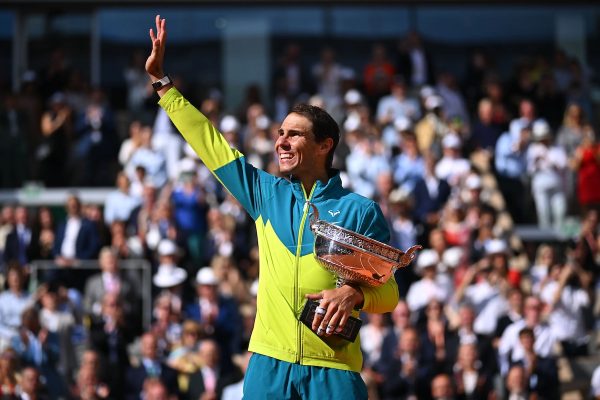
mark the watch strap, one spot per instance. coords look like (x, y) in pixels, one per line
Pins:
(164, 81)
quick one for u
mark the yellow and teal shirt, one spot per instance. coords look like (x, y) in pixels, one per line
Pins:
(288, 268)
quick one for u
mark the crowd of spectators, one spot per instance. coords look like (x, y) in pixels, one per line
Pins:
(453, 165)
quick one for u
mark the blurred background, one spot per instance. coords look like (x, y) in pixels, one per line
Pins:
(128, 271)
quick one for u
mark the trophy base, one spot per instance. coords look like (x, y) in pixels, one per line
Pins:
(350, 330)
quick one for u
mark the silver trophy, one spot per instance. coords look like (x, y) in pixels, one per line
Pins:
(354, 259)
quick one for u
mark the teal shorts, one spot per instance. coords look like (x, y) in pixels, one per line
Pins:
(268, 378)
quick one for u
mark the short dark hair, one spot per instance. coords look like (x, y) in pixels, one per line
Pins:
(324, 126)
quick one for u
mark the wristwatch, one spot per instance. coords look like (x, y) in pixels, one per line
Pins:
(161, 83)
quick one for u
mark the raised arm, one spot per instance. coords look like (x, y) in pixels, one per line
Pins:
(154, 63)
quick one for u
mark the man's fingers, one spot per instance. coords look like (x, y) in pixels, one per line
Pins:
(331, 327)
(325, 322)
(152, 37)
(341, 323)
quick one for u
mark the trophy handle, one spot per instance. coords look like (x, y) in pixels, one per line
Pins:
(314, 217)
(409, 255)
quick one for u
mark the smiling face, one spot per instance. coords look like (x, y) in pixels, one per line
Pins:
(298, 152)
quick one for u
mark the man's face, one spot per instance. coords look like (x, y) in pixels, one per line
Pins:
(296, 148)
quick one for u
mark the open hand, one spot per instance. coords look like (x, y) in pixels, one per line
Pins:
(154, 63)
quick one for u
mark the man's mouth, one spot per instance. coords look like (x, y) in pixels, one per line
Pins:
(286, 156)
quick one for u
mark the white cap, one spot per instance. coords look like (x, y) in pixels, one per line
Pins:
(206, 276)
(402, 124)
(495, 246)
(426, 92)
(433, 102)
(540, 129)
(186, 165)
(399, 195)
(452, 257)
(352, 97)
(352, 123)
(167, 247)
(473, 182)
(452, 141)
(169, 276)
(427, 258)
(229, 124)
(262, 122)
(254, 288)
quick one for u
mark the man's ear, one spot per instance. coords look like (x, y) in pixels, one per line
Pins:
(326, 145)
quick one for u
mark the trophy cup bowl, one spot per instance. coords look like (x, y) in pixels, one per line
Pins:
(355, 258)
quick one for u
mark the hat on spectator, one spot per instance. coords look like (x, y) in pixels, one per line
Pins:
(427, 258)
(352, 123)
(399, 195)
(206, 276)
(187, 166)
(169, 276)
(403, 124)
(167, 247)
(540, 130)
(451, 141)
(473, 182)
(262, 122)
(426, 92)
(229, 124)
(433, 102)
(352, 97)
(452, 257)
(495, 246)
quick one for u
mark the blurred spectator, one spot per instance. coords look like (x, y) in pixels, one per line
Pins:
(378, 75)
(37, 347)
(511, 167)
(585, 163)
(109, 335)
(31, 385)
(442, 387)
(401, 320)
(161, 224)
(414, 62)
(110, 280)
(566, 303)
(155, 389)
(470, 376)
(166, 326)
(428, 288)
(454, 102)
(120, 204)
(13, 302)
(189, 205)
(14, 168)
(77, 239)
(218, 315)
(9, 377)
(184, 356)
(139, 90)
(7, 221)
(149, 158)
(408, 166)
(18, 241)
(52, 151)
(433, 126)
(96, 145)
(513, 314)
(403, 234)
(546, 164)
(510, 348)
(452, 167)
(169, 277)
(151, 366)
(516, 384)
(89, 387)
(131, 144)
(327, 73)
(291, 79)
(42, 235)
(208, 382)
(397, 104)
(540, 373)
(235, 391)
(372, 334)
(485, 132)
(365, 162)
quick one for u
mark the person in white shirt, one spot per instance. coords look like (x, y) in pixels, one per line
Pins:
(427, 288)
(565, 301)
(397, 104)
(547, 165)
(120, 203)
(452, 166)
(510, 348)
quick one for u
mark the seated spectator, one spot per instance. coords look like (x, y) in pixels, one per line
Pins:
(151, 366)
(37, 347)
(516, 384)
(10, 378)
(364, 163)
(12, 304)
(166, 326)
(485, 132)
(76, 239)
(19, 241)
(151, 160)
(510, 348)
(184, 355)
(397, 104)
(408, 166)
(120, 204)
(427, 288)
(110, 280)
(471, 377)
(31, 385)
(565, 303)
(442, 387)
(89, 387)
(43, 235)
(218, 315)
(465, 332)
(109, 335)
(170, 278)
(372, 334)
(452, 167)
(155, 389)
(208, 382)
(541, 373)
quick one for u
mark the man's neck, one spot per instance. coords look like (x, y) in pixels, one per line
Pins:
(309, 182)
